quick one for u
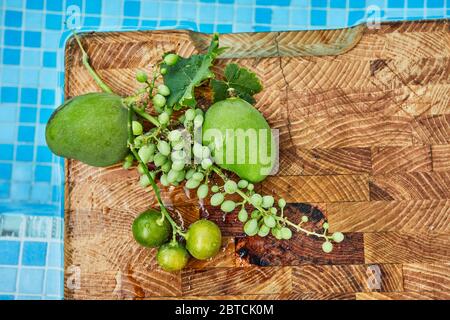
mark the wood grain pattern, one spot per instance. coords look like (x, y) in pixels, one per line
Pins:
(364, 145)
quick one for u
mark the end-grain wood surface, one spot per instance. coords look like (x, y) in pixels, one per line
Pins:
(365, 143)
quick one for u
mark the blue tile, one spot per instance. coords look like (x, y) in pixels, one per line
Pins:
(10, 75)
(14, 3)
(27, 114)
(34, 20)
(49, 59)
(6, 297)
(55, 254)
(29, 95)
(132, 8)
(263, 15)
(435, 4)
(31, 58)
(11, 56)
(54, 282)
(22, 172)
(13, 18)
(44, 115)
(355, 17)
(208, 13)
(5, 171)
(9, 252)
(206, 28)
(318, 17)
(29, 77)
(8, 277)
(224, 28)
(24, 153)
(92, 22)
(396, 3)
(51, 40)
(35, 4)
(416, 4)
(43, 173)
(338, 3)
(319, 3)
(55, 5)
(8, 113)
(273, 2)
(6, 151)
(20, 191)
(357, 4)
(47, 97)
(41, 192)
(34, 253)
(7, 132)
(26, 133)
(4, 190)
(130, 22)
(93, 7)
(31, 281)
(43, 154)
(32, 39)
(12, 37)
(151, 10)
(53, 22)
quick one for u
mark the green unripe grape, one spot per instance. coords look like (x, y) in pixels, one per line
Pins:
(325, 225)
(255, 214)
(136, 126)
(144, 181)
(276, 232)
(141, 169)
(164, 180)
(263, 231)
(198, 121)
(163, 118)
(159, 100)
(267, 202)
(217, 199)
(273, 210)
(202, 191)
(230, 187)
(270, 221)
(163, 90)
(172, 256)
(192, 183)
(228, 206)
(159, 159)
(164, 148)
(189, 114)
(178, 165)
(304, 219)
(198, 111)
(338, 237)
(242, 184)
(256, 199)
(138, 141)
(250, 187)
(286, 233)
(141, 76)
(178, 155)
(327, 247)
(178, 145)
(206, 164)
(163, 71)
(174, 135)
(251, 227)
(198, 176)
(181, 175)
(243, 215)
(172, 175)
(215, 188)
(145, 153)
(127, 165)
(166, 166)
(281, 203)
(170, 59)
(205, 152)
(197, 150)
(190, 173)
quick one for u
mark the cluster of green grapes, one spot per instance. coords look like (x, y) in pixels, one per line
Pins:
(174, 157)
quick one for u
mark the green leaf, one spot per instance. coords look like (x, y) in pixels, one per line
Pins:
(239, 82)
(189, 73)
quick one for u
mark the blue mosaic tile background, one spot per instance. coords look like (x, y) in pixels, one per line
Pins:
(32, 36)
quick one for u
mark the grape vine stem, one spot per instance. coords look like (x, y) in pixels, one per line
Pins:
(297, 227)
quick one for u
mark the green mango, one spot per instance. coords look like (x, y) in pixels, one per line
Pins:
(91, 128)
(236, 119)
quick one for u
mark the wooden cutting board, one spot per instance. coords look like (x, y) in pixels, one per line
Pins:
(364, 120)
